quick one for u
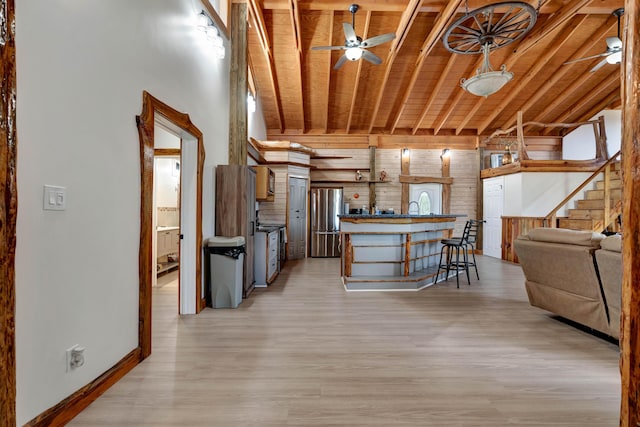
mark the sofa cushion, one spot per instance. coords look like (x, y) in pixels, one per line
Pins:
(570, 237)
(612, 243)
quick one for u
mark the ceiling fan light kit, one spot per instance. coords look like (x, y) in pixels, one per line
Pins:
(354, 47)
(488, 28)
(487, 81)
(613, 54)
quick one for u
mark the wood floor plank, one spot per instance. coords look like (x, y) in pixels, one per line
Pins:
(303, 352)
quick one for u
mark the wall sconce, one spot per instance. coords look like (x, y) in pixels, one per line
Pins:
(405, 152)
(445, 153)
(211, 34)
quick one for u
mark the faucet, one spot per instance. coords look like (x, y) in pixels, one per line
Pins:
(417, 206)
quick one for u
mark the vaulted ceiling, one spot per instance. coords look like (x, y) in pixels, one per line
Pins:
(416, 89)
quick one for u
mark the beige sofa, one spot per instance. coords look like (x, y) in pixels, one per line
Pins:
(609, 261)
(564, 274)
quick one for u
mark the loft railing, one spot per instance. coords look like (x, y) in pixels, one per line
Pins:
(551, 221)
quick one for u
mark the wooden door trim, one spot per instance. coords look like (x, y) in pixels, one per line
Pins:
(9, 213)
(146, 123)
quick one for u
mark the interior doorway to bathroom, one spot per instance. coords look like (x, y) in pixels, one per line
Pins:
(156, 118)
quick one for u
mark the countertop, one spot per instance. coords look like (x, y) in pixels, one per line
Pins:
(382, 216)
(268, 228)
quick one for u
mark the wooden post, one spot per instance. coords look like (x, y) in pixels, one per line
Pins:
(630, 317)
(522, 150)
(407, 255)
(446, 188)
(601, 139)
(8, 214)
(405, 169)
(348, 255)
(238, 86)
(372, 178)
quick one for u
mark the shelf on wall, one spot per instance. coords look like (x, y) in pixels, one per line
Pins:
(314, 168)
(330, 157)
(348, 181)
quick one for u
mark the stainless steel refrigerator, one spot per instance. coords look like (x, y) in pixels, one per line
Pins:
(326, 205)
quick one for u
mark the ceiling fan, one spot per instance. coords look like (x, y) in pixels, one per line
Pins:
(354, 47)
(613, 54)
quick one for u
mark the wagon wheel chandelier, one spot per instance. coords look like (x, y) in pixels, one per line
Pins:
(483, 30)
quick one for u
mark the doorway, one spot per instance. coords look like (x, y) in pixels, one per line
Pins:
(175, 172)
(297, 218)
(493, 207)
(154, 113)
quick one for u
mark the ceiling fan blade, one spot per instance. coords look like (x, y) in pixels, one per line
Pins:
(614, 43)
(371, 57)
(374, 41)
(349, 33)
(327, 47)
(586, 58)
(340, 62)
(599, 65)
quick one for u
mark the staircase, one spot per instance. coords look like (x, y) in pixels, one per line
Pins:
(589, 212)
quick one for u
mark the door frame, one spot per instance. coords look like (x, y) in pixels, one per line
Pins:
(145, 123)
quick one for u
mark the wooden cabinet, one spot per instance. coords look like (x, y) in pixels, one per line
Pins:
(265, 184)
(266, 257)
(236, 211)
(168, 247)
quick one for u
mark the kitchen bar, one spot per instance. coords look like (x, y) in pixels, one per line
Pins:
(392, 252)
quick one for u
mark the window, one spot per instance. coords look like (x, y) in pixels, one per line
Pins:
(424, 203)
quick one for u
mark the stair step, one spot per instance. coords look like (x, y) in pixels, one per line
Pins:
(614, 183)
(575, 224)
(590, 204)
(615, 193)
(597, 214)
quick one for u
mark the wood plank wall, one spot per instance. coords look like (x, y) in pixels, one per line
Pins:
(424, 162)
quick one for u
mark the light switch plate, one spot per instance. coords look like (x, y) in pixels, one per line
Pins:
(54, 198)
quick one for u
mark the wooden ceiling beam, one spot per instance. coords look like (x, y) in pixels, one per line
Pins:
(257, 21)
(453, 104)
(435, 92)
(603, 7)
(406, 21)
(576, 85)
(588, 98)
(608, 102)
(557, 76)
(445, 17)
(532, 73)
(555, 21)
(295, 28)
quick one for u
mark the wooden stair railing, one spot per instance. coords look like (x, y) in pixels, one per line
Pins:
(551, 221)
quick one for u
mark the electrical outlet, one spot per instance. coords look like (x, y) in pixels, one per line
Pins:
(75, 357)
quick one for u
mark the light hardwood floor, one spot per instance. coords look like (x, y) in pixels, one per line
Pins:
(304, 352)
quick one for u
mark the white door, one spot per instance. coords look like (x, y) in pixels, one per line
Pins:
(428, 198)
(297, 218)
(493, 207)
(188, 210)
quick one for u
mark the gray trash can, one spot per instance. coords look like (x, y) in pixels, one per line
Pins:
(226, 257)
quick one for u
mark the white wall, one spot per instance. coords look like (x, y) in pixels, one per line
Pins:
(581, 143)
(256, 126)
(81, 70)
(536, 193)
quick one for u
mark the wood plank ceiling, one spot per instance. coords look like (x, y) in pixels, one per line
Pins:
(416, 90)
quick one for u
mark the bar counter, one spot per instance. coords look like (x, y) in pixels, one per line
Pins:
(392, 252)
